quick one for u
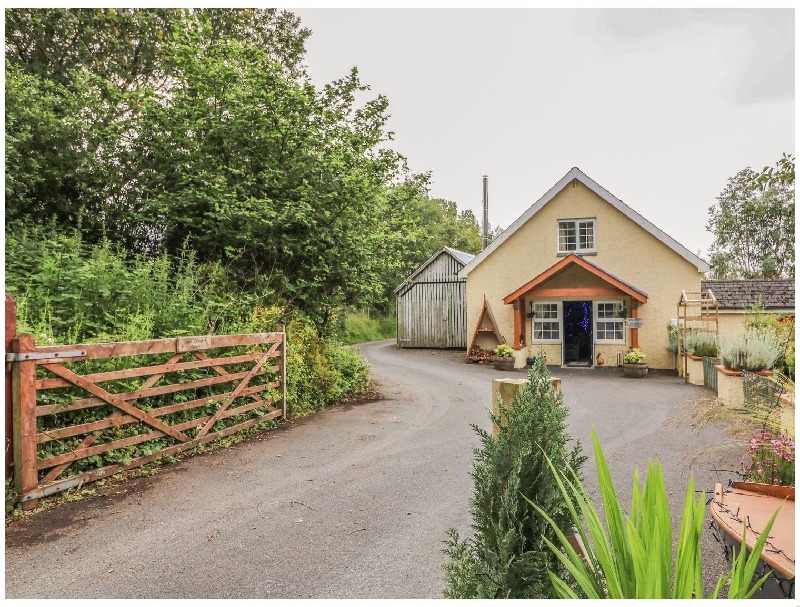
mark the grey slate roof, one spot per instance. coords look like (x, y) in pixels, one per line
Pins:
(739, 294)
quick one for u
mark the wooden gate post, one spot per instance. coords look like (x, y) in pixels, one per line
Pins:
(283, 369)
(23, 385)
(11, 331)
(506, 389)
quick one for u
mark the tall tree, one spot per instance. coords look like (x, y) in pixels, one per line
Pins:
(753, 224)
(77, 82)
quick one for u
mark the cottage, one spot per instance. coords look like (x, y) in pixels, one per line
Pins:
(736, 296)
(431, 303)
(582, 276)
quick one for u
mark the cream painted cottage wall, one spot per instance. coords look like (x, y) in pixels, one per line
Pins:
(624, 249)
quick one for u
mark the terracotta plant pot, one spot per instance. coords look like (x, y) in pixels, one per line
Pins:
(504, 363)
(638, 370)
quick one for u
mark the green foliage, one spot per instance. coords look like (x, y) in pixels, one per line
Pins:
(672, 335)
(415, 227)
(752, 351)
(198, 131)
(69, 289)
(781, 327)
(700, 343)
(503, 351)
(753, 225)
(71, 292)
(78, 84)
(360, 328)
(507, 557)
(635, 356)
(633, 557)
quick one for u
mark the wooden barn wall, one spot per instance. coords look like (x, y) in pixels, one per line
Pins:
(432, 313)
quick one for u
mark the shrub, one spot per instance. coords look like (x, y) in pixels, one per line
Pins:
(781, 327)
(750, 351)
(635, 356)
(699, 343)
(507, 558)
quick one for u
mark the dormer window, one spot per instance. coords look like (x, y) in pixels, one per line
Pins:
(576, 236)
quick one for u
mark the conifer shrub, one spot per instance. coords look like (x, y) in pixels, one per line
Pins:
(507, 556)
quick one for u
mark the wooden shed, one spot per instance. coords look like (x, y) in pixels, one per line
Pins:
(432, 303)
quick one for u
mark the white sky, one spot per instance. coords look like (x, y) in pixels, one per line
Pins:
(660, 107)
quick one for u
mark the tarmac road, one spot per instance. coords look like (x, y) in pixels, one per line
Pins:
(350, 503)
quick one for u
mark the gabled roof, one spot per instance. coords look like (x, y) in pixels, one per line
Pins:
(464, 258)
(740, 294)
(587, 265)
(576, 173)
(460, 256)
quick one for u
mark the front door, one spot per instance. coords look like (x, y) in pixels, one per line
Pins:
(578, 333)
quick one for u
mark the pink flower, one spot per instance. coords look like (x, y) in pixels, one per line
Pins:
(760, 471)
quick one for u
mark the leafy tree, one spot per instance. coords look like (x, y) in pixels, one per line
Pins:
(753, 225)
(199, 128)
(508, 557)
(77, 82)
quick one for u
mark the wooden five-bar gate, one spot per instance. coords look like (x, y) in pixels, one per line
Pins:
(88, 411)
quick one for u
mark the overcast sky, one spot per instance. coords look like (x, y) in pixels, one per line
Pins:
(660, 107)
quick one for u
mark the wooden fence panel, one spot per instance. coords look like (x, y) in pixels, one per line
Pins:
(73, 423)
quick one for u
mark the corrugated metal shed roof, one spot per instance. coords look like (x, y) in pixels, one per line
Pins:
(464, 258)
(739, 294)
(459, 256)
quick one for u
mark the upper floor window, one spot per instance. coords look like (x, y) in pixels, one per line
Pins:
(576, 236)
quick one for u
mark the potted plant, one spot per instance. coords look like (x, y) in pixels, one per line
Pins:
(633, 364)
(503, 359)
(749, 351)
(698, 344)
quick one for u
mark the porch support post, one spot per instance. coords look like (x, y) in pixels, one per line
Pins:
(635, 331)
(519, 324)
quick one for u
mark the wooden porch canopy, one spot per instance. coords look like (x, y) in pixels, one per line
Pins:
(614, 287)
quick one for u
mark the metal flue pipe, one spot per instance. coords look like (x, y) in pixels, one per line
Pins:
(485, 242)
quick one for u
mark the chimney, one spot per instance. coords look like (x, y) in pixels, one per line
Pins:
(485, 212)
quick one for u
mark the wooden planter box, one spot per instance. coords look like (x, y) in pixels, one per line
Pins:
(694, 369)
(730, 387)
(638, 370)
(503, 363)
(755, 503)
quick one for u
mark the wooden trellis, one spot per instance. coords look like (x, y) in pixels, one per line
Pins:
(63, 414)
(699, 313)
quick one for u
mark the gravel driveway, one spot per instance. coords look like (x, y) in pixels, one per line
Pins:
(350, 503)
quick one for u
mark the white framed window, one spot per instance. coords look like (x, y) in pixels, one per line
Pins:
(609, 322)
(577, 236)
(546, 325)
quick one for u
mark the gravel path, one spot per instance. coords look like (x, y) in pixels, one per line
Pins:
(350, 503)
